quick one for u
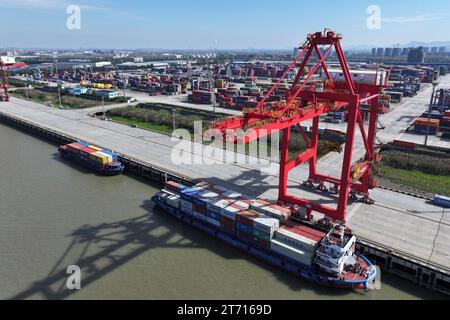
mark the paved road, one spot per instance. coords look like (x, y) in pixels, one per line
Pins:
(404, 223)
(180, 100)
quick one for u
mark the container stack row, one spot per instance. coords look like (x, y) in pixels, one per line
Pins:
(255, 221)
(98, 155)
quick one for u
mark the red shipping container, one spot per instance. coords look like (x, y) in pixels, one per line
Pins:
(199, 209)
(228, 224)
(306, 232)
(307, 229)
(172, 185)
(75, 146)
(88, 150)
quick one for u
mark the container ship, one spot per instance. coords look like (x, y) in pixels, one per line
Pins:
(270, 232)
(104, 162)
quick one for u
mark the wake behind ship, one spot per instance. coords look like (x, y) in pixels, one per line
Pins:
(268, 232)
(104, 162)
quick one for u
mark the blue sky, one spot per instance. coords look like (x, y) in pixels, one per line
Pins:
(223, 24)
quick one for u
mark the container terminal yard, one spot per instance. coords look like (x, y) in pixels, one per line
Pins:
(406, 235)
(356, 118)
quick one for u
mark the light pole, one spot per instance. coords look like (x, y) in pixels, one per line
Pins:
(26, 88)
(103, 107)
(123, 84)
(429, 113)
(173, 120)
(59, 96)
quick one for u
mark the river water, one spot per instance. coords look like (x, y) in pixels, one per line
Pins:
(54, 214)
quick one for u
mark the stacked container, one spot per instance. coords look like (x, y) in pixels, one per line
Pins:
(421, 125)
(253, 221)
(272, 210)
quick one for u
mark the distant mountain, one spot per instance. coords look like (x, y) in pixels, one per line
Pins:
(358, 48)
(428, 44)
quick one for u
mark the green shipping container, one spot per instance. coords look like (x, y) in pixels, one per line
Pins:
(261, 235)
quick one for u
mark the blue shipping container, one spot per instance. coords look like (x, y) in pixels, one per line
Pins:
(214, 215)
(244, 228)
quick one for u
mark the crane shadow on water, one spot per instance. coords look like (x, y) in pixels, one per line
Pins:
(100, 249)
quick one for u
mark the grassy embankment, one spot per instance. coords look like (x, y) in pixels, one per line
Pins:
(49, 96)
(426, 171)
(159, 118)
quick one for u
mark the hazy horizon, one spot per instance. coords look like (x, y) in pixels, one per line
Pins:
(209, 25)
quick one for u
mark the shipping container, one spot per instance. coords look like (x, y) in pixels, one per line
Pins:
(214, 215)
(260, 235)
(173, 201)
(296, 239)
(231, 210)
(244, 228)
(199, 209)
(172, 185)
(187, 210)
(304, 257)
(247, 217)
(266, 224)
(188, 194)
(275, 211)
(199, 215)
(213, 222)
(186, 204)
(228, 224)
(94, 148)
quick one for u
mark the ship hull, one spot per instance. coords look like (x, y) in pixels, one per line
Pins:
(260, 252)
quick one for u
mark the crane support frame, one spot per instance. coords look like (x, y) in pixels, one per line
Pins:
(307, 101)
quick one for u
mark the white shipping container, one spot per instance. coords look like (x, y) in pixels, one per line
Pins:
(173, 201)
(218, 205)
(7, 60)
(378, 77)
(259, 204)
(295, 254)
(208, 195)
(168, 192)
(295, 240)
(231, 211)
(244, 205)
(232, 194)
(266, 224)
(110, 157)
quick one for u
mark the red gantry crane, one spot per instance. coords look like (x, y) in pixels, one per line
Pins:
(308, 100)
(5, 62)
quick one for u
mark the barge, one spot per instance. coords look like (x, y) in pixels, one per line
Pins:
(104, 162)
